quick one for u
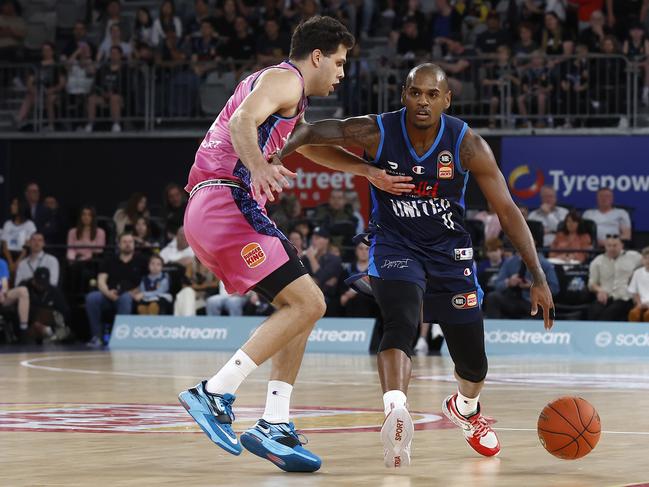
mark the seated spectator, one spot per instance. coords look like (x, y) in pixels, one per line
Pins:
(636, 49)
(494, 36)
(16, 231)
(639, 288)
(166, 20)
(115, 40)
(457, 66)
(178, 250)
(289, 211)
(535, 89)
(117, 283)
(492, 228)
(295, 237)
(273, 45)
(79, 38)
(153, 297)
(412, 43)
(609, 220)
(125, 218)
(572, 236)
(11, 297)
(37, 258)
(445, 22)
(335, 211)
(511, 299)
(498, 77)
(553, 35)
(241, 48)
(352, 201)
(143, 28)
(86, 234)
(526, 45)
(593, 36)
(549, 214)
(227, 15)
(12, 32)
(200, 284)
(609, 276)
(353, 303)
(174, 209)
(48, 310)
(489, 268)
(144, 240)
(205, 50)
(112, 16)
(111, 87)
(574, 86)
(35, 210)
(201, 13)
(80, 72)
(233, 303)
(324, 267)
(50, 82)
(55, 225)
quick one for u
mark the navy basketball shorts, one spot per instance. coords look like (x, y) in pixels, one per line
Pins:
(452, 293)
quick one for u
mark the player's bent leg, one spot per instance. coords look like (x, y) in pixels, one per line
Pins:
(466, 346)
(213, 413)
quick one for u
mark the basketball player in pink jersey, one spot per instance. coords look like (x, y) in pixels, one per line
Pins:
(227, 226)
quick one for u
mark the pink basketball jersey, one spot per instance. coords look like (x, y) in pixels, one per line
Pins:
(216, 157)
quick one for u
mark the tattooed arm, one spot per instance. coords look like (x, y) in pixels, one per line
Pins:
(476, 156)
(321, 142)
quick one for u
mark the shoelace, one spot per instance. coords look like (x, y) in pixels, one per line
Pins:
(480, 426)
(226, 402)
(299, 436)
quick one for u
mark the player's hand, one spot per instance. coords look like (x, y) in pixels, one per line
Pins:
(390, 184)
(267, 178)
(540, 295)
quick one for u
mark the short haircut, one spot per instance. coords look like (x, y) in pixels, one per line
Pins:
(156, 256)
(428, 68)
(324, 33)
(645, 252)
(124, 234)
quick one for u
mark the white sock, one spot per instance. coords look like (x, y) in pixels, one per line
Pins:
(395, 398)
(232, 374)
(466, 406)
(278, 401)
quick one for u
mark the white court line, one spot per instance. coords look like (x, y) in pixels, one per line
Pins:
(606, 432)
(429, 385)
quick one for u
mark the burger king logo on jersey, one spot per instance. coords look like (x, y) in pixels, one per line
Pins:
(445, 165)
(253, 255)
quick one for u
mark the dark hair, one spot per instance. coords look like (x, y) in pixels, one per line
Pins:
(149, 22)
(156, 256)
(576, 217)
(324, 33)
(93, 223)
(124, 234)
(131, 206)
(148, 226)
(22, 210)
(173, 10)
(170, 186)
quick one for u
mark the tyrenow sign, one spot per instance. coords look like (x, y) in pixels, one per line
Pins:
(331, 335)
(570, 338)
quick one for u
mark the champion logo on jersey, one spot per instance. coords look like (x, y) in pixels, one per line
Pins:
(253, 255)
(464, 254)
(419, 169)
(467, 272)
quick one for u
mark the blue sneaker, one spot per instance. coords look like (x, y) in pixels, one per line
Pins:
(213, 413)
(280, 444)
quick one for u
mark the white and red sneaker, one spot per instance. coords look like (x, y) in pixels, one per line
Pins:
(396, 434)
(477, 431)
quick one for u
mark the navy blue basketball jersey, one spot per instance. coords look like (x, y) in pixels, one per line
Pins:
(431, 218)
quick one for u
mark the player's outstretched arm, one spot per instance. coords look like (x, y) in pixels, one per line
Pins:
(274, 91)
(476, 156)
(321, 142)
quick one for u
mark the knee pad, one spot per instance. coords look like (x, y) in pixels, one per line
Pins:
(400, 324)
(466, 344)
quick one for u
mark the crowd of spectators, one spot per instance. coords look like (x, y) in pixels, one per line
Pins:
(63, 282)
(537, 49)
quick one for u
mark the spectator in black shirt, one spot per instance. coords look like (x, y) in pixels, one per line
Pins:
(201, 13)
(110, 88)
(79, 36)
(535, 88)
(553, 35)
(525, 46)
(457, 64)
(324, 267)
(411, 41)
(117, 282)
(174, 209)
(49, 313)
(500, 81)
(242, 47)
(272, 45)
(205, 50)
(51, 80)
(143, 28)
(593, 35)
(224, 21)
(494, 36)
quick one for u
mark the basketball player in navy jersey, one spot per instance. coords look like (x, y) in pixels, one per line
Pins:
(420, 246)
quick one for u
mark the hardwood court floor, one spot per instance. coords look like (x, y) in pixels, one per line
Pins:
(69, 419)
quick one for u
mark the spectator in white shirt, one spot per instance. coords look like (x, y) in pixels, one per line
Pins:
(639, 288)
(37, 258)
(115, 39)
(178, 250)
(166, 20)
(609, 220)
(549, 214)
(609, 276)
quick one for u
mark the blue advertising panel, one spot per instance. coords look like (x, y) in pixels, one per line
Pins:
(331, 335)
(600, 339)
(577, 167)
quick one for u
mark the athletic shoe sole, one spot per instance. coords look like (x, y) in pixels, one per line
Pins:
(396, 434)
(287, 458)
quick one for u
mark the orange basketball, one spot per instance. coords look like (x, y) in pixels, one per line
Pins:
(569, 427)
